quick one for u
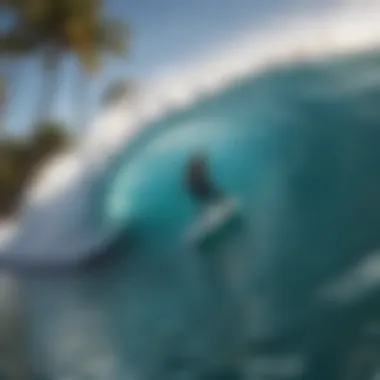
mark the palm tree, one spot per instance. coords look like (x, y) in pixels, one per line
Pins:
(61, 27)
(15, 41)
(21, 38)
(91, 39)
(56, 28)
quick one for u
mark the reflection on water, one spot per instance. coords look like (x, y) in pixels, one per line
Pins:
(72, 337)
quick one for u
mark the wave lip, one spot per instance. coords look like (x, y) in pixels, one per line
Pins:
(349, 28)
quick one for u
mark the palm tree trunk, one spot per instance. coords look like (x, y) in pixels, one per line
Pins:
(5, 67)
(2, 103)
(9, 82)
(49, 84)
(82, 104)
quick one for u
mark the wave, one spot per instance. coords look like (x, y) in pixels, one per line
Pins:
(55, 203)
(350, 28)
(344, 30)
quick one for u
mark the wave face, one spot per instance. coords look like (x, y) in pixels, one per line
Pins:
(299, 147)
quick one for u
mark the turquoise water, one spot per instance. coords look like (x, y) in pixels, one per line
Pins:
(298, 147)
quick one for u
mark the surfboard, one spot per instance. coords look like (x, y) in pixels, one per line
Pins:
(213, 221)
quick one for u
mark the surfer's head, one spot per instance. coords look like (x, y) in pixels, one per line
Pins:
(199, 159)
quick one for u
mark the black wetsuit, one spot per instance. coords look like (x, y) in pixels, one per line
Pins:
(198, 181)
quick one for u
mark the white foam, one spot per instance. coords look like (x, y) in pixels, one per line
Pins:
(8, 229)
(351, 285)
(61, 170)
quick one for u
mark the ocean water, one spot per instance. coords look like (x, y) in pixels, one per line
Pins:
(290, 292)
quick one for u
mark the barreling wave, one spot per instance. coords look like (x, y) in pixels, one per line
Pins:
(59, 193)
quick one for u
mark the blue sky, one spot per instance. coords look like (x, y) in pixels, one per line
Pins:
(164, 33)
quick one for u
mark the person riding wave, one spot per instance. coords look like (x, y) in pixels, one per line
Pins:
(199, 182)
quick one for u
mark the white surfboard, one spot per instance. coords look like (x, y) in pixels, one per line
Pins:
(212, 219)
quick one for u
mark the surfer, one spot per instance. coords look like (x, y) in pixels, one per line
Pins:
(198, 180)
(217, 211)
